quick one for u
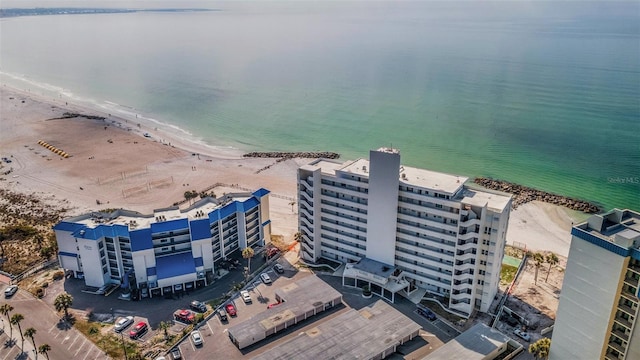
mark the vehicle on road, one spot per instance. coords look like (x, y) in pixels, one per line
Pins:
(198, 306)
(185, 316)
(222, 315)
(265, 278)
(10, 291)
(245, 296)
(138, 330)
(426, 312)
(196, 338)
(278, 268)
(231, 309)
(522, 334)
(175, 353)
(123, 323)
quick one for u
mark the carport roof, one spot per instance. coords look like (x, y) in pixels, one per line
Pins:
(363, 334)
(300, 297)
(475, 343)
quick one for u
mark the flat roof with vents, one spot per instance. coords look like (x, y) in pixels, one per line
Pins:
(374, 332)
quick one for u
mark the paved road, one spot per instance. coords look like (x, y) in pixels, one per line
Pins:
(65, 341)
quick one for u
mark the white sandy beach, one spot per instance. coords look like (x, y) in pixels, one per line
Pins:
(113, 163)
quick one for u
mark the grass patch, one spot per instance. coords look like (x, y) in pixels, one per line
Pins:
(507, 273)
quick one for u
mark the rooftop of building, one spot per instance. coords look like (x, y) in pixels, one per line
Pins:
(362, 334)
(620, 227)
(475, 343)
(494, 200)
(135, 220)
(300, 297)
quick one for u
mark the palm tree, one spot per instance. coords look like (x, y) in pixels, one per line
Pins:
(293, 203)
(248, 253)
(44, 350)
(63, 302)
(539, 259)
(5, 309)
(15, 320)
(540, 348)
(552, 259)
(165, 327)
(30, 333)
(297, 236)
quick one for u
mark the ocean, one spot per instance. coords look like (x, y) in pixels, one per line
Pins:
(544, 94)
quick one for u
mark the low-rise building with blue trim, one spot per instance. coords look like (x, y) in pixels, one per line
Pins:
(169, 250)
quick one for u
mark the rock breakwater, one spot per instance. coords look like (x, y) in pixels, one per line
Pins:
(523, 195)
(291, 155)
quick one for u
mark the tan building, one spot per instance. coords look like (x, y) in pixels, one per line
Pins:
(598, 310)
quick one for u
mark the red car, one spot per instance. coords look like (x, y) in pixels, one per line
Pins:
(272, 305)
(231, 309)
(185, 316)
(138, 330)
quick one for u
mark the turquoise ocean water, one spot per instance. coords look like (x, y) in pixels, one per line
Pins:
(545, 94)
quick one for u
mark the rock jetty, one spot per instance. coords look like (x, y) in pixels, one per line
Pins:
(291, 155)
(523, 195)
(71, 115)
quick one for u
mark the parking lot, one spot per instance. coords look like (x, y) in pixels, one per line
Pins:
(65, 341)
(216, 342)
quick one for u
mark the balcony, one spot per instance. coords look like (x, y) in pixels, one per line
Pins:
(617, 347)
(620, 335)
(627, 309)
(622, 321)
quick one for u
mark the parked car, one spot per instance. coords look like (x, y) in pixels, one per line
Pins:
(245, 296)
(231, 309)
(272, 305)
(138, 330)
(10, 291)
(222, 315)
(426, 312)
(175, 353)
(196, 338)
(265, 278)
(522, 334)
(198, 306)
(123, 323)
(278, 268)
(184, 316)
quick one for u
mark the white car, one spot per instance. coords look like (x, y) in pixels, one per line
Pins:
(265, 278)
(245, 296)
(196, 338)
(8, 292)
(123, 323)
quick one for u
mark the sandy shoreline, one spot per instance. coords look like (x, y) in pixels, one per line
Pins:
(113, 163)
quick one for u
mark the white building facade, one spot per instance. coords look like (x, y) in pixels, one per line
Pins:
(597, 315)
(167, 251)
(429, 227)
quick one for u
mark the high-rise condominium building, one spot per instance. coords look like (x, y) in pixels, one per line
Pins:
(169, 250)
(597, 316)
(403, 229)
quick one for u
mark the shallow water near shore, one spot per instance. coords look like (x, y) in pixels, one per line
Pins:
(541, 94)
